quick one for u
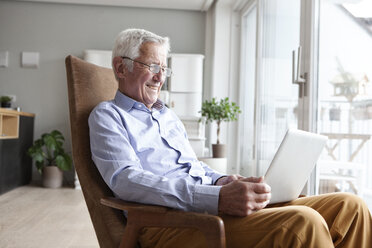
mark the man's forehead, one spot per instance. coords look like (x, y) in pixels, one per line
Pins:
(151, 47)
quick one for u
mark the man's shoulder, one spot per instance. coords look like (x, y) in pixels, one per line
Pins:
(104, 106)
(103, 111)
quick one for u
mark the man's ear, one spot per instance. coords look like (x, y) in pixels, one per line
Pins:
(120, 69)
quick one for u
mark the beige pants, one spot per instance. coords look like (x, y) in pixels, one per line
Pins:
(331, 220)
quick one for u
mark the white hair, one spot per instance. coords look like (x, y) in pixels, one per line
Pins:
(129, 41)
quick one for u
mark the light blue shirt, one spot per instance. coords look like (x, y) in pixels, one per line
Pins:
(144, 156)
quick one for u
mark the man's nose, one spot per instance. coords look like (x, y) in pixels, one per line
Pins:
(160, 75)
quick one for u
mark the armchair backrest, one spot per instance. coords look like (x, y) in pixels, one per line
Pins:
(89, 85)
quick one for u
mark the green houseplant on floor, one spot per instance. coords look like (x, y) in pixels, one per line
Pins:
(221, 111)
(50, 158)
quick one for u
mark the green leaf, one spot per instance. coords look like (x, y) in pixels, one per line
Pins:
(57, 136)
(219, 111)
(64, 162)
(36, 153)
(39, 166)
(50, 142)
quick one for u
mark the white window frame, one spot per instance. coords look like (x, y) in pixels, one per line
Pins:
(308, 41)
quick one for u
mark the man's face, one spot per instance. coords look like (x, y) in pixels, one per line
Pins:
(141, 84)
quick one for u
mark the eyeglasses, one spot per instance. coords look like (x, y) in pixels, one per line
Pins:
(154, 68)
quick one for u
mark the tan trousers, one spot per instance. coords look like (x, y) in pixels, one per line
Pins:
(330, 220)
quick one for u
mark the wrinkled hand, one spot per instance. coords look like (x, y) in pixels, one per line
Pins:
(243, 196)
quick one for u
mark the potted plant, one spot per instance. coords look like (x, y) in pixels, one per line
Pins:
(219, 112)
(50, 158)
(6, 101)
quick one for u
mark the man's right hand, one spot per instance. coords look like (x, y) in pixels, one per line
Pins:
(244, 196)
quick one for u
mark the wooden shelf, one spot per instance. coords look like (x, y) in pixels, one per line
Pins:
(9, 126)
(15, 112)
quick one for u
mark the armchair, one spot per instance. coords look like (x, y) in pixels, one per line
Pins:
(88, 85)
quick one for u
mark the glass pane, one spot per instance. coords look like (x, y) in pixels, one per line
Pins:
(277, 97)
(247, 164)
(345, 100)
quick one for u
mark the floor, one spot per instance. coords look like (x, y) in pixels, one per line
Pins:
(35, 217)
(32, 216)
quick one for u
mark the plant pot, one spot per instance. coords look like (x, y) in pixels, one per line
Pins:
(219, 150)
(6, 104)
(52, 177)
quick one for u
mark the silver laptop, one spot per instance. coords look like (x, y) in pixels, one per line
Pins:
(293, 163)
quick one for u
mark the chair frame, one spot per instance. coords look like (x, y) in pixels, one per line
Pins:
(140, 216)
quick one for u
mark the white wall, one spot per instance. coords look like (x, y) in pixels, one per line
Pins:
(57, 30)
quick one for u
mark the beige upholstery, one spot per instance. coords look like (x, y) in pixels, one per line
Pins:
(88, 85)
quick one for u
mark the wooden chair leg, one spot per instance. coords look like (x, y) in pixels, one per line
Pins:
(130, 236)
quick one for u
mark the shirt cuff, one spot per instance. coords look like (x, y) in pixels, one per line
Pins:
(216, 176)
(206, 198)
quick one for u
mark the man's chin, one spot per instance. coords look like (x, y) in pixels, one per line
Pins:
(150, 103)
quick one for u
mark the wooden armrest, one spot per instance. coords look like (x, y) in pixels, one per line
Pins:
(131, 206)
(140, 215)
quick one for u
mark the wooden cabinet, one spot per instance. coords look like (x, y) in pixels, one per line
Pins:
(15, 165)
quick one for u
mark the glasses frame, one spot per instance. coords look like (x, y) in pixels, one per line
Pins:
(154, 68)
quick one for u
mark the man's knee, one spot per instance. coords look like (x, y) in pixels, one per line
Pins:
(307, 217)
(308, 226)
(351, 202)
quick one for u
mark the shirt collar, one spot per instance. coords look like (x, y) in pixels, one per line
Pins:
(127, 103)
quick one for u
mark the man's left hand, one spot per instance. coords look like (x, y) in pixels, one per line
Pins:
(228, 179)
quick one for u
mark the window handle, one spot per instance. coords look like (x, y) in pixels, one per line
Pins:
(297, 78)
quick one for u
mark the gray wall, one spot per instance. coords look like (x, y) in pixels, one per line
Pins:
(57, 30)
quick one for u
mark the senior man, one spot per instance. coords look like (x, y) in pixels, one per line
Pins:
(141, 149)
